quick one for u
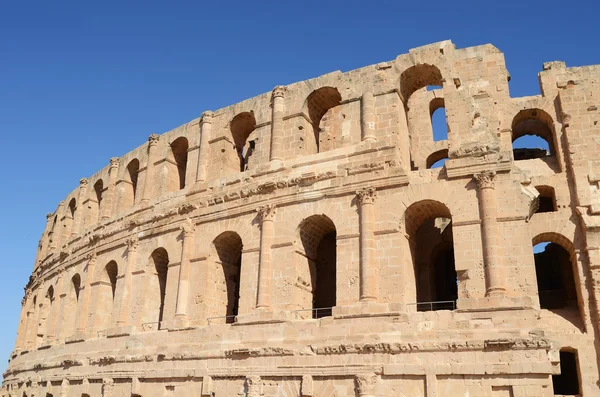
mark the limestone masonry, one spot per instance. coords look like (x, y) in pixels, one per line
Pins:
(300, 243)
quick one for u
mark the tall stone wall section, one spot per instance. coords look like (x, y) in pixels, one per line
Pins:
(188, 266)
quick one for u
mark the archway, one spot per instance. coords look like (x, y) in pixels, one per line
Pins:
(429, 229)
(43, 314)
(547, 199)
(532, 135)
(159, 265)
(179, 154)
(318, 236)
(70, 308)
(105, 295)
(242, 125)
(131, 179)
(320, 104)
(98, 189)
(228, 246)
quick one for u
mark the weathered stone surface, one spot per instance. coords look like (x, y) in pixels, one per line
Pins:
(299, 244)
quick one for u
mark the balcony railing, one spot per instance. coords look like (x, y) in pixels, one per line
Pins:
(433, 306)
(318, 312)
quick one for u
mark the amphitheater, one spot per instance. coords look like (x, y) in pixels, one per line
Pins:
(306, 242)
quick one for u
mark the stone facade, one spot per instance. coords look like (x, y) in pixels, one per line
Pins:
(300, 244)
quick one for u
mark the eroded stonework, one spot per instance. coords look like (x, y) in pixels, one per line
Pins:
(300, 243)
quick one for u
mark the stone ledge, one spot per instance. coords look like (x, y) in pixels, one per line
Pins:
(120, 331)
(260, 316)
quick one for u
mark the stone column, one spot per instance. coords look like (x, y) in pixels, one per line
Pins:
(79, 212)
(277, 112)
(184, 270)
(368, 119)
(368, 279)
(254, 386)
(267, 216)
(107, 387)
(82, 319)
(489, 233)
(149, 178)
(110, 202)
(54, 235)
(64, 388)
(127, 296)
(46, 237)
(56, 308)
(366, 385)
(206, 121)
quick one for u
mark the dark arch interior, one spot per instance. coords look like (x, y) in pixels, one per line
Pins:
(241, 127)
(112, 271)
(429, 225)
(554, 274)
(98, 189)
(160, 258)
(417, 77)
(133, 169)
(179, 147)
(547, 199)
(229, 250)
(437, 159)
(318, 103)
(319, 239)
(532, 135)
(567, 383)
(76, 282)
(72, 208)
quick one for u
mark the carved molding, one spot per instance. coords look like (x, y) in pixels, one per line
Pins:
(366, 195)
(485, 179)
(254, 385)
(133, 243)
(207, 117)
(83, 182)
(153, 139)
(365, 384)
(114, 162)
(279, 91)
(188, 228)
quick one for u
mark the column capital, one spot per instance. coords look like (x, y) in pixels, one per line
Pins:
(365, 384)
(91, 257)
(267, 212)
(49, 216)
(133, 243)
(366, 195)
(83, 182)
(188, 228)
(485, 179)
(114, 162)
(279, 91)
(207, 117)
(153, 139)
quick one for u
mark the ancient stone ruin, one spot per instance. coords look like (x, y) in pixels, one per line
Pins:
(305, 242)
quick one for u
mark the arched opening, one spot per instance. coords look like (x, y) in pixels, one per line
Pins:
(160, 262)
(318, 236)
(228, 246)
(241, 126)
(547, 199)
(532, 135)
(568, 382)
(43, 314)
(179, 149)
(51, 234)
(439, 125)
(133, 169)
(320, 104)
(437, 159)
(112, 271)
(429, 228)
(70, 306)
(99, 189)
(70, 219)
(76, 283)
(106, 295)
(555, 274)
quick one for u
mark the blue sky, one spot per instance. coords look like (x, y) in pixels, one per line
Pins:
(84, 81)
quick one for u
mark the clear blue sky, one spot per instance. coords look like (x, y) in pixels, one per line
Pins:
(82, 81)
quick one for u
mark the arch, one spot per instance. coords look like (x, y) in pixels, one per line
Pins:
(228, 248)
(434, 160)
(99, 190)
(318, 236)
(112, 271)
(179, 151)
(417, 77)
(76, 285)
(70, 219)
(536, 123)
(105, 298)
(70, 306)
(318, 104)
(568, 382)
(241, 126)
(159, 263)
(43, 314)
(52, 232)
(555, 274)
(129, 189)
(439, 123)
(547, 199)
(428, 225)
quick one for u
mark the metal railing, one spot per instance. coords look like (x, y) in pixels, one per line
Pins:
(433, 306)
(318, 312)
(224, 319)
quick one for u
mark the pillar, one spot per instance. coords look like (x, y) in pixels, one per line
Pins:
(366, 385)
(266, 215)
(489, 233)
(110, 201)
(46, 237)
(184, 270)
(253, 386)
(82, 319)
(64, 388)
(368, 279)
(79, 209)
(368, 119)
(107, 387)
(127, 296)
(277, 112)
(56, 308)
(149, 178)
(205, 132)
